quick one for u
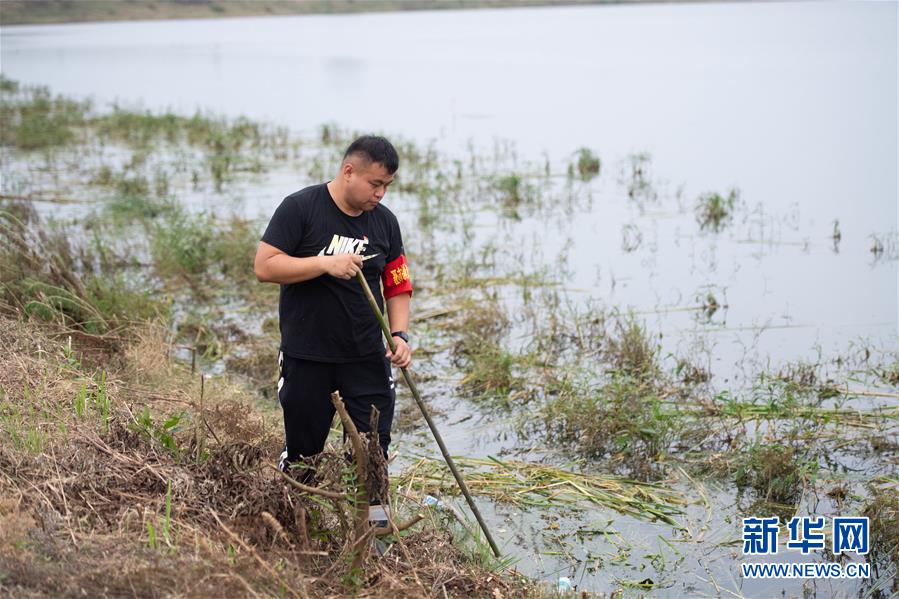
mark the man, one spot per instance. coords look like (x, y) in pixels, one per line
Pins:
(316, 242)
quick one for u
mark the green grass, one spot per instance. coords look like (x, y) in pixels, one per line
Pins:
(630, 350)
(20, 424)
(162, 433)
(182, 245)
(512, 191)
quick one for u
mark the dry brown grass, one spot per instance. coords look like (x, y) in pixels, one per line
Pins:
(99, 503)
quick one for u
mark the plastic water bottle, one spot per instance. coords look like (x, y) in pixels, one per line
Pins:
(442, 506)
(565, 585)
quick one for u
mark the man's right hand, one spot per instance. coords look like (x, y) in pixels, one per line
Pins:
(343, 266)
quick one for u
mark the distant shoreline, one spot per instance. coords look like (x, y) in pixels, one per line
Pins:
(37, 12)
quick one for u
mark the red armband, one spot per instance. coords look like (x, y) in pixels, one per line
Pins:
(396, 278)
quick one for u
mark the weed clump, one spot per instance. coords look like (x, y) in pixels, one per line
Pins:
(621, 413)
(135, 197)
(714, 211)
(489, 369)
(623, 419)
(890, 374)
(777, 472)
(196, 247)
(587, 164)
(512, 192)
(629, 350)
(637, 178)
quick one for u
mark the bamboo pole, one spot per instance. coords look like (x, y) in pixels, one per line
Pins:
(424, 410)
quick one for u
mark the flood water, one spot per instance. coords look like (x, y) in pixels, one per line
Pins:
(794, 104)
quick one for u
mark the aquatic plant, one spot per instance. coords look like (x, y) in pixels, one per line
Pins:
(776, 471)
(631, 238)
(34, 119)
(889, 374)
(196, 248)
(885, 246)
(714, 211)
(489, 370)
(510, 188)
(636, 176)
(629, 350)
(623, 419)
(588, 164)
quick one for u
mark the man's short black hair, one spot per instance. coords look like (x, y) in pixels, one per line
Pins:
(374, 148)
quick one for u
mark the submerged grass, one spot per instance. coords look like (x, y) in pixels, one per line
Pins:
(636, 176)
(490, 372)
(199, 249)
(623, 411)
(777, 472)
(623, 419)
(513, 191)
(542, 485)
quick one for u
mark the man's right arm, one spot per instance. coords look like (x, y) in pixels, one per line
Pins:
(274, 266)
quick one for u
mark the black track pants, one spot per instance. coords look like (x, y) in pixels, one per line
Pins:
(304, 391)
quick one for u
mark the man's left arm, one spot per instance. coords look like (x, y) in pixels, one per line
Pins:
(397, 284)
(398, 315)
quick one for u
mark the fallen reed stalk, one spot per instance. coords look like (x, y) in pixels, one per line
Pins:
(540, 485)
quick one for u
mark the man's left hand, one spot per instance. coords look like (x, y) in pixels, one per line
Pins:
(403, 355)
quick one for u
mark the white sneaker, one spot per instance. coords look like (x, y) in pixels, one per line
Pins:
(282, 461)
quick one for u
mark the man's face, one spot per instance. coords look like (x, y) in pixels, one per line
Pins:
(366, 184)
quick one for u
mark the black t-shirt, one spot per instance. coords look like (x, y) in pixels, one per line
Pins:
(329, 319)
